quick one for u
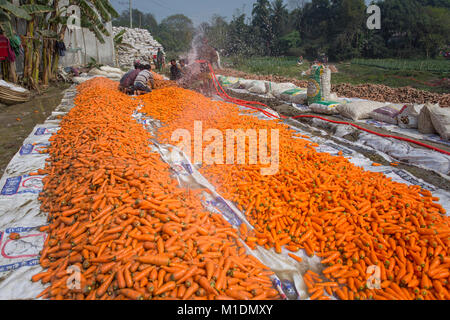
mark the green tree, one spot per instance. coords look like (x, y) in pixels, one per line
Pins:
(240, 37)
(176, 33)
(348, 24)
(400, 20)
(434, 30)
(140, 20)
(315, 24)
(279, 18)
(217, 32)
(262, 25)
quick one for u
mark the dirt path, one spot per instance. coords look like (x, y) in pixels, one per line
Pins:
(17, 121)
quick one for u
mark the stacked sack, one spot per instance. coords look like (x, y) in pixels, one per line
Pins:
(137, 44)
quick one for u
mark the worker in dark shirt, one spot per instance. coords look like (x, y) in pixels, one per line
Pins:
(127, 81)
(175, 72)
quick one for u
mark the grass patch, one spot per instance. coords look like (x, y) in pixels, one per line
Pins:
(431, 65)
(390, 72)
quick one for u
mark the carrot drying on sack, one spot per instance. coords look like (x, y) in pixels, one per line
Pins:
(324, 205)
(117, 215)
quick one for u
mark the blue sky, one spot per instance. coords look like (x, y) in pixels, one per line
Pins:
(198, 10)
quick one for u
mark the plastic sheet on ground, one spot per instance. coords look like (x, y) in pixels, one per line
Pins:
(393, 148)
(20, 208)
(288, 271)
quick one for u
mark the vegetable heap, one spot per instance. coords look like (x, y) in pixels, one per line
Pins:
(353, 219)
(116, 214)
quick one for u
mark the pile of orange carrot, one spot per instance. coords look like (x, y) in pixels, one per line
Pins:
(117, 216)
(351, 218)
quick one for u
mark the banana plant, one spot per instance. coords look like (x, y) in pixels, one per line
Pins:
(7, 11)
(33, 44)
(47, 23)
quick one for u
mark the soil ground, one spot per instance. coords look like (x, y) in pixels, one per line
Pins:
(17, 121)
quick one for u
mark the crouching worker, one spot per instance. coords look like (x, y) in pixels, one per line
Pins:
(127, 81)
(142, 80)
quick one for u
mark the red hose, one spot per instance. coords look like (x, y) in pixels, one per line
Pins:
(249, 104)
(376, 133)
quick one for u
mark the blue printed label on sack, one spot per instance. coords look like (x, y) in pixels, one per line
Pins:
(378, 124)
(20, 229)
(289, 289)
(344, 150)
(226, 210)
(46, 131)
(187, 167)
(410, 179)
(22, 184)
(17, 265)
(277, 284)
(180, 169)
(30, 149)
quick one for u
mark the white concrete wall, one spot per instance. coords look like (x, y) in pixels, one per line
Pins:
(88, 46)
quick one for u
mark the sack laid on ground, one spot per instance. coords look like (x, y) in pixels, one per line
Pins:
(297, 95)
(229, 82)
(441, 120)
(245, 84)
(113, 75)
(359, 110)
(97, 72)
(276, 89)
(79, 80)
(258, 87)
(269, 85)
(425, 124)
(325, 107)
(388, 114)
(111, 70)
(319, 84)
(409, 117)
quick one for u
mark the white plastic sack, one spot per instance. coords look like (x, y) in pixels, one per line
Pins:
(229, 82)
(246, 84)
(297, 95)
(12, 86)
(258, 87)
(112, 70)
(325, 107)
(97, 72)
(388, 114)
(409, 117)
(279, 88)
(425, 124)
(441, 121)
(325, 80)
(79, 80)
(359, 110)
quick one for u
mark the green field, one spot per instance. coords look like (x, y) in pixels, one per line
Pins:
(395, 73)
(436, 65)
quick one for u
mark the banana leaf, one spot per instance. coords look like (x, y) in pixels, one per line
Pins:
(37, 8)
(16, 11)
(109, 8)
